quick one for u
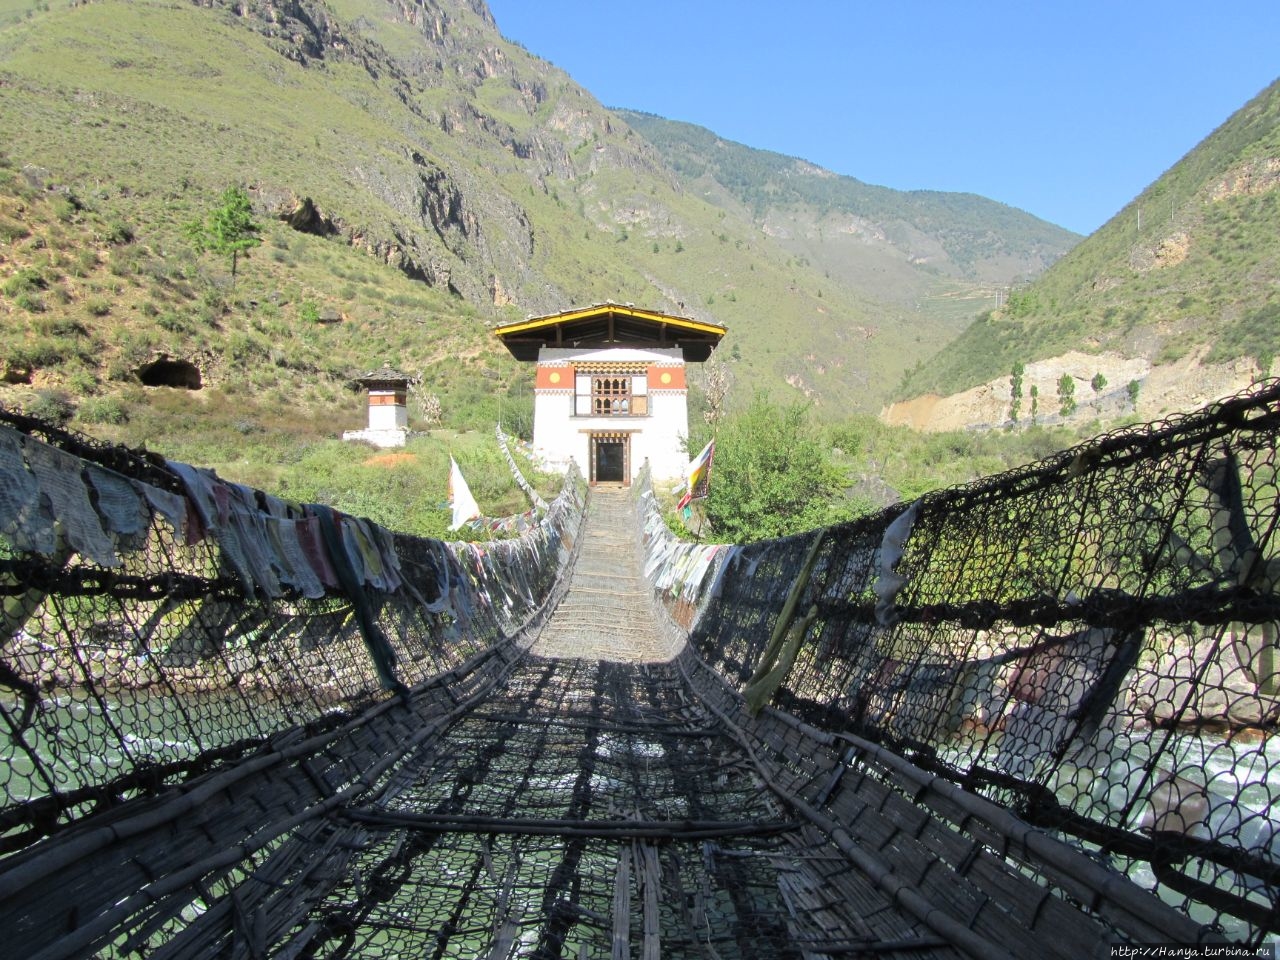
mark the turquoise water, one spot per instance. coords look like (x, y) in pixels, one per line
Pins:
(1205, 786)
(75, 741)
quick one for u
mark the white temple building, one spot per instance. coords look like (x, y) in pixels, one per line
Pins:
(388, 408)
(610, 390)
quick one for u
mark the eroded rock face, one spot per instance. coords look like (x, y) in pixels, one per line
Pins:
(438, 221)
(442, 204)
(1248, 179)
(1168, 252)
(1182, 385)
(305, 217)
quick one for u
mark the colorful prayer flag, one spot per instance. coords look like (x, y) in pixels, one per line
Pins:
(698, 475)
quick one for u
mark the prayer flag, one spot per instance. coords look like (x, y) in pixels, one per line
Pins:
(463, 503)
(698, 475)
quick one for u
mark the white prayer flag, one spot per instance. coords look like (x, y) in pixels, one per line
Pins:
(460, 499)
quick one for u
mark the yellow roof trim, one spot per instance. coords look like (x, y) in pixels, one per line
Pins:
(541, 323)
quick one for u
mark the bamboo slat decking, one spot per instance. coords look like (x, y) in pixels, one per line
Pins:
(611, 797)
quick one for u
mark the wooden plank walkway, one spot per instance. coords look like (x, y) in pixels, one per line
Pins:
(614, 799)
(602, 794)
(602, 812)
(606, 613)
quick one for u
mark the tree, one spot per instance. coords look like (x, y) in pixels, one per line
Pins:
(772, 474)
(717, 388)
(1066, 395)
(228, 230)
(1098, 382)
(1015, 390)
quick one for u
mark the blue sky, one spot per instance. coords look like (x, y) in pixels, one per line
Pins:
(1065, 110)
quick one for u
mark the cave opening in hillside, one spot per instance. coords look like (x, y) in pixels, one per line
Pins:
(171, 373)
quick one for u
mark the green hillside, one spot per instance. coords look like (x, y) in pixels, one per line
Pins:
(472, 181)
(937, 258)
(96, 306)
(1189, 267)
(948, 235)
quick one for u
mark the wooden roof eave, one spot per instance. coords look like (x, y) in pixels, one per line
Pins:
(605, 327)
(610, 315)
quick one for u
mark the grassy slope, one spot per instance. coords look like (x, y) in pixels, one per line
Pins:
(170, 102)
(938, 258)
(280, 391)
(1187, 266)
(275, 426)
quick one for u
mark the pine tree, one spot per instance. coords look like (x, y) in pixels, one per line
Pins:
(1066, 395)
(1015, 391)
(228, 230)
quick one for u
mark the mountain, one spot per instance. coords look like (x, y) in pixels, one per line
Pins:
(1176, 300)
(902, 247)
(418, 179)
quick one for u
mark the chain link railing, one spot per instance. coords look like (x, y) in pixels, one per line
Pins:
(1090, 641)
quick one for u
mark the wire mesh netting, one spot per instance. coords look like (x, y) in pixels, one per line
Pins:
(1089, 641)
(162, 625)
(242, 727)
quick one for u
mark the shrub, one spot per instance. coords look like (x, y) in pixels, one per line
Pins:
(212, 300)
(124, 260)
(65, 208)
(42, 352)
(1021, 303)
(117, 232)
(244, 347)
(82, 382)
(26, 280)
(61, 327)
(173, 322)
(772, 474)
(103, 410)
(54, 406)
(120, 370)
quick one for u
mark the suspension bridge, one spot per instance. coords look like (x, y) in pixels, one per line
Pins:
(1026, 717)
